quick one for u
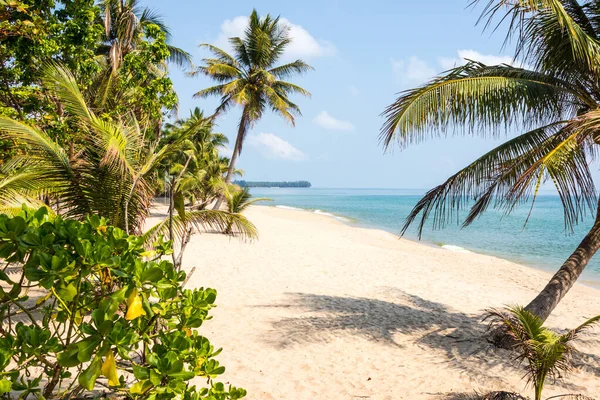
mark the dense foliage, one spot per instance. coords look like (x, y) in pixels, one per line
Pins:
(84, 94)
(85, 307)
(284, 184)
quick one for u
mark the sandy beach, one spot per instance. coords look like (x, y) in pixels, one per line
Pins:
(316, 309)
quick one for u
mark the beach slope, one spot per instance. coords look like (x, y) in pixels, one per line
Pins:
(316, 309)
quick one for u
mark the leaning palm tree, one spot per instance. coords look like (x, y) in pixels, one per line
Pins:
(544, 352)
(251, 79)
(555, 101)
(112, 175)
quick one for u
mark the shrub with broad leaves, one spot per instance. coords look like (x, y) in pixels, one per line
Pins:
(86, 309)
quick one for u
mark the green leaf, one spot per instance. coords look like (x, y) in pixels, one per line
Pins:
(153, 274)
(67, 293)
(86, 348)
(68, 358)
(179, 203)
(140, 387)
(140, 373)
(87, 379)
(185, 375)
(4, 277)
(5, 386)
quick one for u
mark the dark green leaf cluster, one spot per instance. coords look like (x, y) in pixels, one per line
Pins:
(84, 307)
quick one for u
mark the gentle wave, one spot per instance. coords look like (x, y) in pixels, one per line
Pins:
(326, 214)
(289, 208)
(456, 249)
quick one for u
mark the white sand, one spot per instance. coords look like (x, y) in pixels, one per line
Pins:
(316, 309)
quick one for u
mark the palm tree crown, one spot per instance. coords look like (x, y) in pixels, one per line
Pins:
(124, 21)
(250, 77)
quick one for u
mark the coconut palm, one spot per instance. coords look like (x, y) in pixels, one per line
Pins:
(113, 175)
(124, 22)
(251, 79)
(555, 101)
(544, 352)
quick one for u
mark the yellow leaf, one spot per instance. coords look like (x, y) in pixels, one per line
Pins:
(148, 254)
(109, 370)
(134, 306)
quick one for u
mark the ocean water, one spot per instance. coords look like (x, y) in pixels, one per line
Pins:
(543, 243)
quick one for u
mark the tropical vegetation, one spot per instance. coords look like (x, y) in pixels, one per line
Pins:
(89, 136)
(543, 352)
(551, 94)
(87, 308)
(251, 78)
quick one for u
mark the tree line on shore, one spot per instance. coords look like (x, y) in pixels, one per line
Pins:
(268, 184)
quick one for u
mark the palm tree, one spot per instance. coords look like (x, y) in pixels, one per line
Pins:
(556, 102)
(124, 22)
(114, 175)
(544, 352)
(251, 79)
(238, 200)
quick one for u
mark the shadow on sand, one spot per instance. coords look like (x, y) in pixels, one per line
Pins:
(459, 336)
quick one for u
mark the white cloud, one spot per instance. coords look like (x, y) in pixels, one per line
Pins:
(354, 90)
(303, 44)
(464, 55)
(413, 71)
(272, 146)
(326, 121)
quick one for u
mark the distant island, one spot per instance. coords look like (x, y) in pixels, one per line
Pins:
(251, 184)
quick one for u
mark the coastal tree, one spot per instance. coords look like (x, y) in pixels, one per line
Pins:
(134, 53)
(554, 100)
(113, 176)
(30, 33)
(251, 79)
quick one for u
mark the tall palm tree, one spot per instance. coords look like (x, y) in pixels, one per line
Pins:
(544, 352)
(112, 175)
(251, 79)
(555, 101)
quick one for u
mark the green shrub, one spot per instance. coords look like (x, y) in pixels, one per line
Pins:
(85, 307)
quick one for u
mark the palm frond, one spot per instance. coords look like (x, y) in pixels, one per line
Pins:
(297, 67)
(509, 174)
(481, 99)
(204, 220)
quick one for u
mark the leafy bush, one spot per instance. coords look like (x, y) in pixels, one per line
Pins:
(85, 307)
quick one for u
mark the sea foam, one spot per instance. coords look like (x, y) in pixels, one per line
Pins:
(289, 208)
(456, 249)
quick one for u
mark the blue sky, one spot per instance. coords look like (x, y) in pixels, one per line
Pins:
(363, 54)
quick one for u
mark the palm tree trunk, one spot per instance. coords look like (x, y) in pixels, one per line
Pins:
(239, 140)
(567, 275)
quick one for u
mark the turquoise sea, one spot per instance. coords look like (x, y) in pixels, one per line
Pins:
(543, 243)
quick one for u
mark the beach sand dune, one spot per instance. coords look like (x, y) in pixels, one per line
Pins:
(316, 309)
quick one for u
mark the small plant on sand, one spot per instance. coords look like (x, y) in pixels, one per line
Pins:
(544, 352)
(86, 308)
(238, 200)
